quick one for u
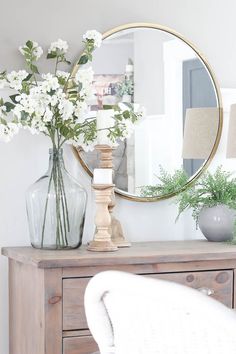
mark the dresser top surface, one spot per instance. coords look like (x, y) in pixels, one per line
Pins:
(138, 253)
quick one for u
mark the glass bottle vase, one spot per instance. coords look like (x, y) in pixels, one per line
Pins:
(56, 206)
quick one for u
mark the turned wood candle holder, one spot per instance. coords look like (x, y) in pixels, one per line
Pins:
(116, 231)
(102, 239)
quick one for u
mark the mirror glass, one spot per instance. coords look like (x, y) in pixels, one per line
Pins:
(156, 69)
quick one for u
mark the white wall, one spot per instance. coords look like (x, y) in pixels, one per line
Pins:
(209, 24)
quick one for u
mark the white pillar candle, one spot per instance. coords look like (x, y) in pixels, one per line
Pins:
(104, 120)
(102, 176)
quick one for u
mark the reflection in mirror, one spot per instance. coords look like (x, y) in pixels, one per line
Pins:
(159, 71)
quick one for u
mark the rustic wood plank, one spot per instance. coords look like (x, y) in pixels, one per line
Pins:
(234, 290)
(53, 311)
(139, 253)
(76, 333)
(80, 345)
(73, 304)
(26, 315)
(219, 283)
(76, 272)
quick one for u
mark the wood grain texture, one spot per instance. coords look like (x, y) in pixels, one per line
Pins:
(77, 272)
(73, 304)
(220, 283)
(53, 310)
(47, 287)
(78, 333)
(234, 293)
(80, 345)
(139, 253)
(26, 314)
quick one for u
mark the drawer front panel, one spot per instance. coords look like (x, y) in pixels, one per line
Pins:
(79, 345)
(73, 303)
(218, 284)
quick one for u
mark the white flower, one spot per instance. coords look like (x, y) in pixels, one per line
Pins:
(37, 51)
(89, 146)
(48, 115)
(17, 111)
(7, 131)
(87, 92)
(2, 110)
(13, 128)
(3, 83)
(95, 36)
(66, 109)
(84, 76)
(57, 97)
(80, 111)
(129, 128)
(36, 126)
(4, 136)
(63, 74)
(58, 45)
(50, 83)
(15, 79)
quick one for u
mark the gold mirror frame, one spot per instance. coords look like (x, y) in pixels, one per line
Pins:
(219, 105)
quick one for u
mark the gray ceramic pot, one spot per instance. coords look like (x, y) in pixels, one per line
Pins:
(217, 223)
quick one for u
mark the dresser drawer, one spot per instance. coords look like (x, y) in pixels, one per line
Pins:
(79, 345)
(219, 284)
(73, 303)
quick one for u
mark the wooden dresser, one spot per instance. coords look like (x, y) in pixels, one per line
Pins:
(46, 288)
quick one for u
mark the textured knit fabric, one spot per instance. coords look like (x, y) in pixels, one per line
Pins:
(130, 314)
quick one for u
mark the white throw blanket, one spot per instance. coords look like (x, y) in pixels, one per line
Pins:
(129, 314)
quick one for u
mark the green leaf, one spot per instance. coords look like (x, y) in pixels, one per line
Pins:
(116, 108)
(9, 106)
(28, 77)
(24, 115)
(126, 114)
(61, 80)
(29, 44)
(64, 131)
(80, 85)
(73, 92)
(107, 106)
(52, 55)
(129, 105)
(13, 98)
(3, 73)
(34, 69)
(83, 59)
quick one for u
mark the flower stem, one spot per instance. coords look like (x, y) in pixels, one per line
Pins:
(45, 210)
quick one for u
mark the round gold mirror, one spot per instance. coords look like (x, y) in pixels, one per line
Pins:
(156, 68)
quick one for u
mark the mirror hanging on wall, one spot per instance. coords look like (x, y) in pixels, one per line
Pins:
(156, 71)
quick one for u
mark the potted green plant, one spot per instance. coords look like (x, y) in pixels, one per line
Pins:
(125, 89)
(213, 203)
(168, 183)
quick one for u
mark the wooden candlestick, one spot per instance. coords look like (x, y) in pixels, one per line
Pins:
(105, 156)
(102, 238)
(115, 229)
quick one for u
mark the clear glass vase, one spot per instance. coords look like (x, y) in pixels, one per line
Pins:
(56, 206)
